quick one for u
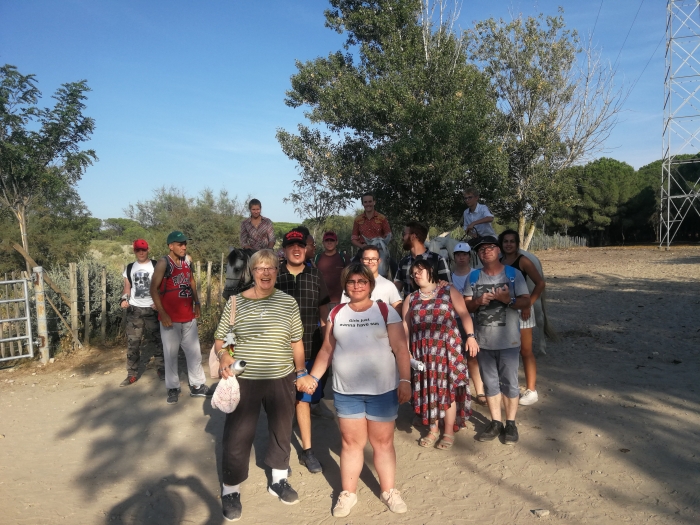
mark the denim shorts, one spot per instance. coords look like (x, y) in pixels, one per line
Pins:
(379, 407)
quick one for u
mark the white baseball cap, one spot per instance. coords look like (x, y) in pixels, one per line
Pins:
(462, 247)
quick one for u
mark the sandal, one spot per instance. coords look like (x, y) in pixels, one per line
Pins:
(481, 400)
(429, 440)
(444, 443)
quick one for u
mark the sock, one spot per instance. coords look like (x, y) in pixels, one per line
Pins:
(278, 475)
(229, 489)
(512, 421)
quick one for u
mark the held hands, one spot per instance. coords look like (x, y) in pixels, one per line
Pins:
(306, 384)
(502, 294)
(404, 392)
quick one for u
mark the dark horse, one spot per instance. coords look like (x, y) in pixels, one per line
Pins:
(238, 279)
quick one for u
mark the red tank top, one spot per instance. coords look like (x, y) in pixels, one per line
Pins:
(176, 292)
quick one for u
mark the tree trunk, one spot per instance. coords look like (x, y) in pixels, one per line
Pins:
(21, 213)
(522, 222)
(525, 243)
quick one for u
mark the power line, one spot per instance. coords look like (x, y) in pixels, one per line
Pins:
(628, 33)
(663, 37)
(596, 18)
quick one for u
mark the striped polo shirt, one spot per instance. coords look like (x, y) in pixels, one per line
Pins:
(264, 330)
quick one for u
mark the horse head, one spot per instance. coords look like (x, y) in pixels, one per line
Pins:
(238, 277)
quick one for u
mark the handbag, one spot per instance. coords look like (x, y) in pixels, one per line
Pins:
(213, 361)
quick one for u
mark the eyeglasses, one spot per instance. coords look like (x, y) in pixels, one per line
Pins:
(418, 273)
(487, 247)
(360, 283)
(260, 270)
(370, 260)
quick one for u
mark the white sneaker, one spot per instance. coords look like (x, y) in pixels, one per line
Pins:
(346, 501)
(393, 500)
(529, 397)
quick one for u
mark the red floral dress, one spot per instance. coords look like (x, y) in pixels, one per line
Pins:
(435, 341)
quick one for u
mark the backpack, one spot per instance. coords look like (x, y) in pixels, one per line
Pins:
(131, 265)
(382, 308)
(510, 274)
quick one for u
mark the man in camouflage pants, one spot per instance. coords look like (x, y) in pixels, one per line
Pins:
(142, 326)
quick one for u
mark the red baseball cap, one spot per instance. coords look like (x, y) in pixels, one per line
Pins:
(330, 236)
(140, 244)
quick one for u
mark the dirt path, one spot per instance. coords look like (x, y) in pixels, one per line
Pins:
(615, 437)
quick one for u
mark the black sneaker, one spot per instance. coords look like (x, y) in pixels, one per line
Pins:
(173, 394)
(511, 434)
(161, 374)
(231, 506)
(201, 391)
(310, 461)
(130, 380)
(284, 492)
(492, 431)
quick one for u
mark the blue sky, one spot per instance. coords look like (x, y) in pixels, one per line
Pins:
(190, 94)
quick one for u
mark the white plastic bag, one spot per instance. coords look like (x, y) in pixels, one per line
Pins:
(227, 395)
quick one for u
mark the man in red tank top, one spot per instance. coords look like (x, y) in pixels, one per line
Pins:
(174, 293)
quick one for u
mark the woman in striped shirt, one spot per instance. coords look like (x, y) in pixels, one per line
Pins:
(267, 331)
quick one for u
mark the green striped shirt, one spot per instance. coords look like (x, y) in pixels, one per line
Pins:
(264, 330)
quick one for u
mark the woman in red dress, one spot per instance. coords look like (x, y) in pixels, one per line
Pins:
(441, 391)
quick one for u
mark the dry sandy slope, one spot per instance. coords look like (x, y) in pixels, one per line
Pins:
(615, 437)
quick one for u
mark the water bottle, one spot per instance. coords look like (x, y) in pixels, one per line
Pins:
(237, 367)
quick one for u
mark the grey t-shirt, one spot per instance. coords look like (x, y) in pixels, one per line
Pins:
(496, 325)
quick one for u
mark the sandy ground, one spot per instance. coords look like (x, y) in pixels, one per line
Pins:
(614, 439)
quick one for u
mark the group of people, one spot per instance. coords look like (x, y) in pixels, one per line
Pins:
(303, 315)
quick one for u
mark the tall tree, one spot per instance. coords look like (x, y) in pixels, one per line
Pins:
(558, 104)
(39, 147)
(405, 116)
(211, 220)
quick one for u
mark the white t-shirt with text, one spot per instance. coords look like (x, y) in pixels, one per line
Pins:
(384, 290)
(363, 362)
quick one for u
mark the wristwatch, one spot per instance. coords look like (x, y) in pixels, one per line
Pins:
(512, 301)
(470, 335)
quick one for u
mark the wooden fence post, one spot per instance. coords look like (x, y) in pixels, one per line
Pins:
(42, 329)
(208, 284)
(73, 270)
(103, 326)
(86, 304)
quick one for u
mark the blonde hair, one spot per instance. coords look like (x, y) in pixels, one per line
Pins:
(261, 256)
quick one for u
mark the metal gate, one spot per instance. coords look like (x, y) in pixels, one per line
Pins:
(15, 320)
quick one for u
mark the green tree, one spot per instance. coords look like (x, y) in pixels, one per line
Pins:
(39, 147)
(212, 221)
(59, 225)
(405, 115)
(557, 105)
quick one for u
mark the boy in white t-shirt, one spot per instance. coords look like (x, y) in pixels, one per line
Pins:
(460, 278)
(384, 289)
(142, 327)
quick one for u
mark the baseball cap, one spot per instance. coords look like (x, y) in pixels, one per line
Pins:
(462, 247)
(486, 239)
(330, 236)
(293, 237)
(140, 244)
(176, 236)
